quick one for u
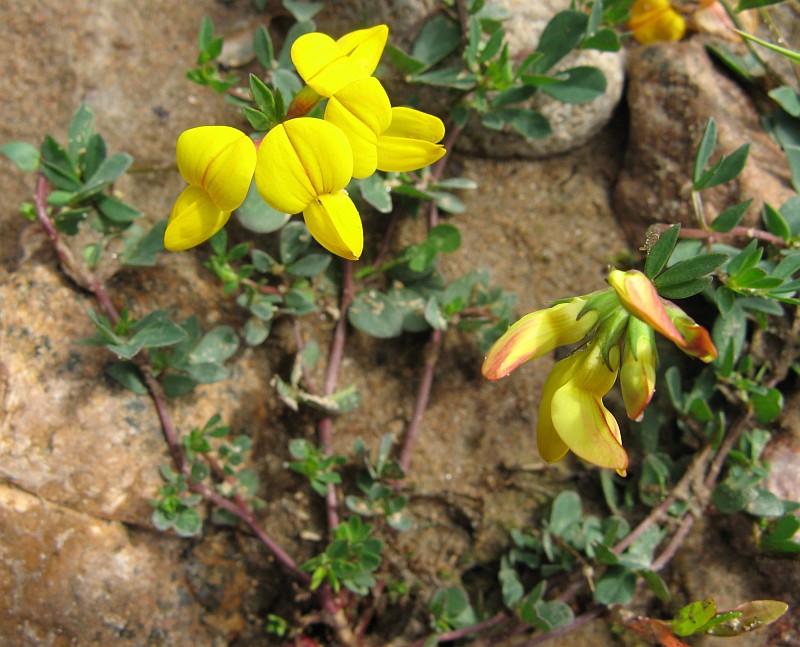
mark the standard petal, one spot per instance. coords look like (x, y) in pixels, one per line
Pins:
(300, 160)
(221, 160)
(362, 111)
(334, 222)
(639, 296)
(319, 62)
(364, 47)
(535, 334)
(194, 219)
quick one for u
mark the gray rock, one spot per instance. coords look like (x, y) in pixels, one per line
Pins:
(673, 89)
(572, 124)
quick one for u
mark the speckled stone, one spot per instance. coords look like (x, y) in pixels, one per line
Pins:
(572, 124)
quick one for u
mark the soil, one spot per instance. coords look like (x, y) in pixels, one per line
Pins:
(546, 229)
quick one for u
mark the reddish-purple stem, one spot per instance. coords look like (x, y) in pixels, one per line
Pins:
(238, 505)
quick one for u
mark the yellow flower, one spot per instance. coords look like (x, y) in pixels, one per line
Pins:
(637, 375)
(697, 341)
(639, 296)
(411, 141)
(655, 20)
(218, 164)
(327, 65)
(572, 415)
(536, 334)
(362, 111)
(303, 166)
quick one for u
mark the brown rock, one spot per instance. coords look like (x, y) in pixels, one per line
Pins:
(673, 90)
(70, 579)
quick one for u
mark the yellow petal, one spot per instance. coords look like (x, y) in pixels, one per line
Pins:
(551, 447)
(334, 223)
(410, 142)
(362, 111)
(655, 20)
(364, 47)
(194, 219)
(415, 124)
(300, 160)
(399, 155)
(639, 296)
(577, 412)
(221, 160)
(535, 334)
(323, 65)
(637, 375)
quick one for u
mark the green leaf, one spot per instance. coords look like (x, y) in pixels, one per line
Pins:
(142, 251)
(616, 586)
(375, 192)
(528, 123)
(656, 585)
(262, 46)
(707, 143)
(766, 505)
(58, 167)
(660, 252)
(730, 499)
(787, 53)
(116, 211)
(208, 372)
(81, 130)
(303, 11)
(767, 407)
(188, 523)
(787, 99)
(693, 616)
(109, 171)
(755, 4)
(23, 154)
(745, 260)
(310, 265)
(776, 223)
(439, 38)
(510, 585)
(689, 270)
(751, 616)
(605, 40)
(730, 217)
(217, 345)
(565, 512)
(295, 241)
(581, 85)
(376, 314)
(731, 166)
(128, 375)
(561, 35)
(454, 77)
(403, 62)
(257, 216)
(445, 238)
(263, 97)
(256, 330)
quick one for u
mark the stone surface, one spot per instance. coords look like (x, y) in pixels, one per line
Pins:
(572, 124)
(79, 456)
(673, 89)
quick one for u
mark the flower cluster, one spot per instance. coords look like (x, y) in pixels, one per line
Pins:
(656, 20)
(619, 323)
(304, 164)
